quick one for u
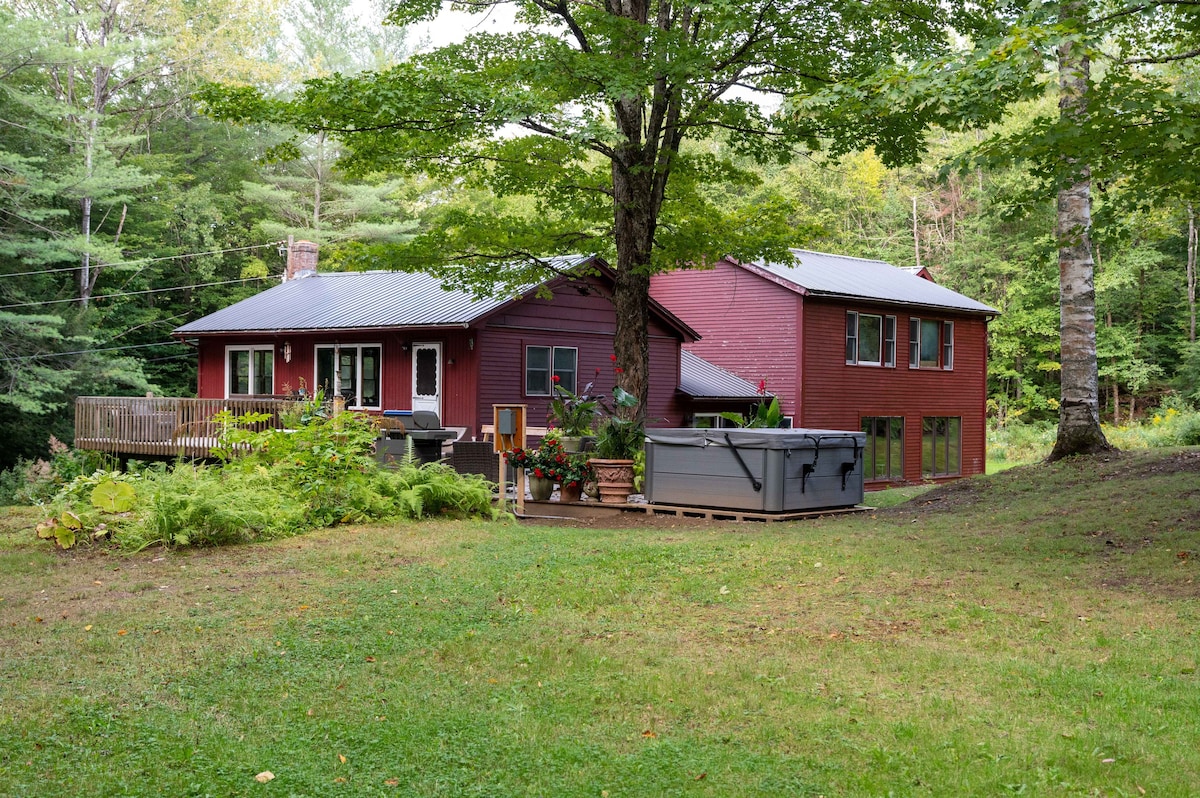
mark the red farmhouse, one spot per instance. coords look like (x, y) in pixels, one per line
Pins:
(400, 341)
(847, 343)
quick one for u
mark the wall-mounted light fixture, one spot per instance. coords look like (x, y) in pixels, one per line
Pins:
(471, 344)
(405, 346)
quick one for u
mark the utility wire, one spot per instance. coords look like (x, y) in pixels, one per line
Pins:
(144, 260)
(98, 297)
(89, 351)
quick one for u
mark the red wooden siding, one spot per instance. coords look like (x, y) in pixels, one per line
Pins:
(837, 396)
(759, 329)
(481, 366)
(748, 326)
(585, 322)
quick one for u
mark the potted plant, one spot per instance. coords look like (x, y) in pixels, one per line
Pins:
(572, 476)
(619, 438)
(572, 415)
(542, 464)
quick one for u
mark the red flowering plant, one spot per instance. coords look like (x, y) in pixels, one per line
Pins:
(544, 461)
(575, 472)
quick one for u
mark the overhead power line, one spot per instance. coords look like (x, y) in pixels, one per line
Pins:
(144, 260)
(89, 351)
(98, 297)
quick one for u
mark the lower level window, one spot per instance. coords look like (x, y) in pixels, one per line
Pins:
(941, 446)
(711, 421)
(884, 455)
(250, 370)
(351, 372)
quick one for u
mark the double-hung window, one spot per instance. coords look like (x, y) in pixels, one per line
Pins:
(351, 371)
(544, 363)
(930, 344)
(249, 370)
(870, 339)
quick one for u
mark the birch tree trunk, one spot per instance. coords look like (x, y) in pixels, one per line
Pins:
(1079, 412)
(1191, 273)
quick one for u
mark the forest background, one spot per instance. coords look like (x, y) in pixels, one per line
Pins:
(125, 211)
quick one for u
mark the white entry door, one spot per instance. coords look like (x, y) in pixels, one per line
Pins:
(427, 377)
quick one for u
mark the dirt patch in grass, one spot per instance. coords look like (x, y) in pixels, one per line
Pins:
(1117, 465)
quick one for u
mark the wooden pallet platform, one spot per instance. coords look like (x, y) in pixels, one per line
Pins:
(591, 509)
(715, 514)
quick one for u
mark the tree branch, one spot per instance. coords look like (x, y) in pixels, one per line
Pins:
(1130, 10)
(1164, 59)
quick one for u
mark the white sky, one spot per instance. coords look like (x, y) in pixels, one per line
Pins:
(452, 26)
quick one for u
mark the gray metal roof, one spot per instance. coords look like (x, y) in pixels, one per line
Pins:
(352, 300)
(703, 380)
(822, 274)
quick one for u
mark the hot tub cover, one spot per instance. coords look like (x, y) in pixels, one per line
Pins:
(748, 438)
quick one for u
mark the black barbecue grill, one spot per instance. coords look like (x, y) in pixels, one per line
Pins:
(420, 429)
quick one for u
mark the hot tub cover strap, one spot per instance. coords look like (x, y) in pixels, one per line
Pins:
(749, 475)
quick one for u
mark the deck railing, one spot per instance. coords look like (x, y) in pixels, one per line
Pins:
(161, 426)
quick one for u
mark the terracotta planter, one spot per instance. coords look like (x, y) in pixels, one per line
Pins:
(566, 493)
(615, 479)
(540, 488)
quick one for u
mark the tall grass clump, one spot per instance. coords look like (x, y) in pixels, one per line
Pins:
(1175, 423)
(268, 484)
(1017, 442)
(38, 480)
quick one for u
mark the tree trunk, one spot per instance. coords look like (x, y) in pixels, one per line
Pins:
(634, 223)
(1079, 412)
(1191, 273)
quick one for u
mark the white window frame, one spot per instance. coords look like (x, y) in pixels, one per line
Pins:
(945, 353)
(887, 340)
(358, 371)
(251, 349)
(552, 350)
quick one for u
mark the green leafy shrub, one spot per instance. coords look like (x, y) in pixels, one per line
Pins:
(434, 488)
(269, 484)
(212, 506)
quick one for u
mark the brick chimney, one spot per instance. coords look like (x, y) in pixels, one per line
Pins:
(301, 260)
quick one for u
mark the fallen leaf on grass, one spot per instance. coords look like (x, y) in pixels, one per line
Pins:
(264, 777)
(391, 782)
(649, 733)
(341, 759)
(122, 632)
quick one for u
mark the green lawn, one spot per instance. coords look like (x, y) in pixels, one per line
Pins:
(1032, 632)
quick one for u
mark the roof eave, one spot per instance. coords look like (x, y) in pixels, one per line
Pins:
(989, 312)
(453, 325)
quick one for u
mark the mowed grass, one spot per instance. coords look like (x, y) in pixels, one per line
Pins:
(1033, 632)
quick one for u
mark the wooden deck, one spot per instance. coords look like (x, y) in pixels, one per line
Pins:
(161, 426)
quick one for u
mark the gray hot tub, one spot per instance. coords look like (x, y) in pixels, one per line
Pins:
(764, 470)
